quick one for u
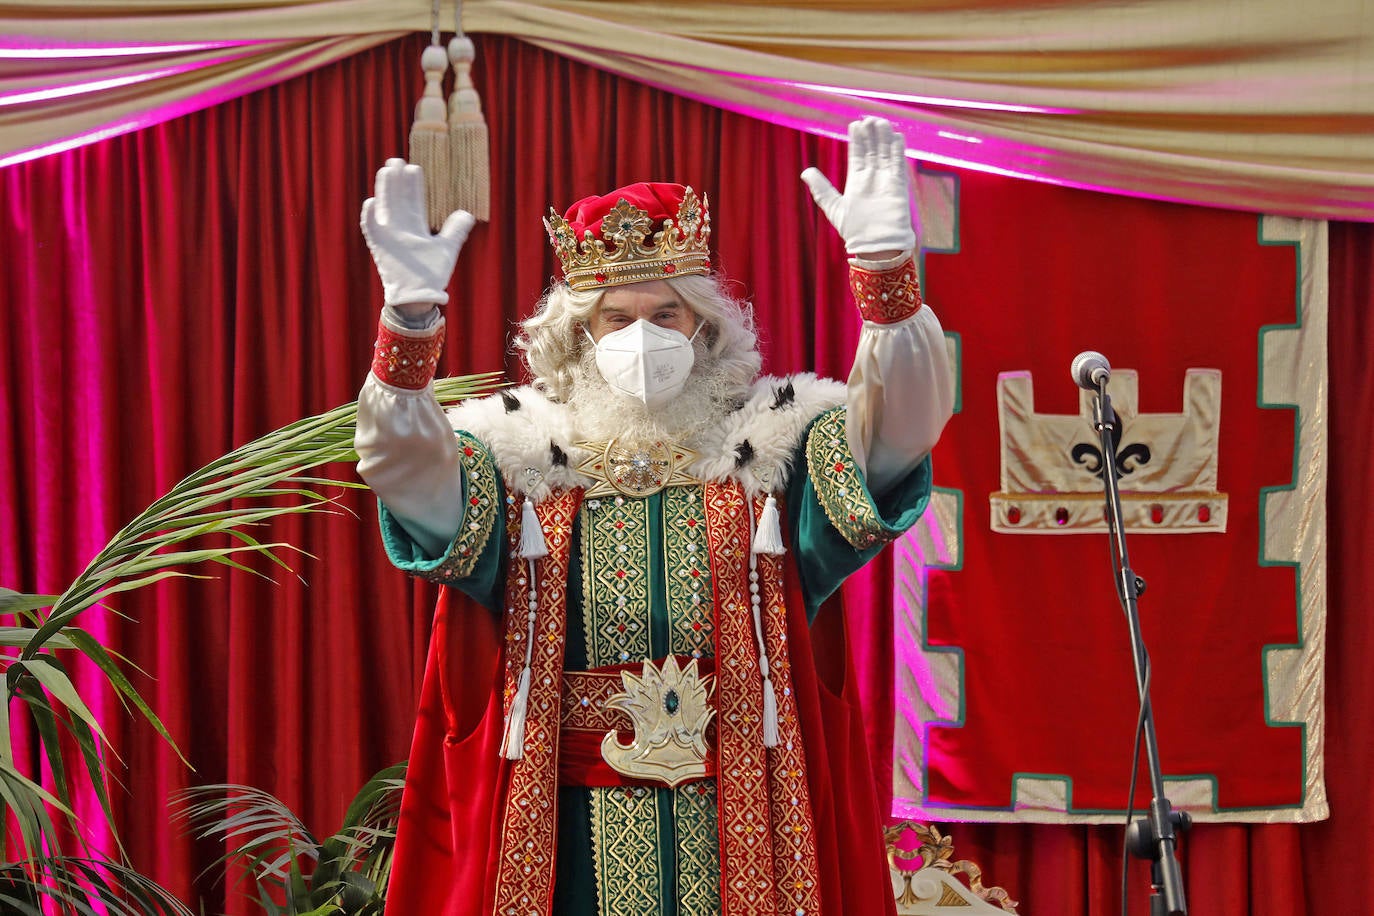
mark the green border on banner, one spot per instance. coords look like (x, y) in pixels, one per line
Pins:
(1291, 486)
(954, 811)
(941, 174)
(957, 651)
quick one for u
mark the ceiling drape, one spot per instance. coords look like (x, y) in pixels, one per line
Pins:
(1264, 105)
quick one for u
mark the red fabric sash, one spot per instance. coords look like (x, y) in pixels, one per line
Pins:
(584, 725)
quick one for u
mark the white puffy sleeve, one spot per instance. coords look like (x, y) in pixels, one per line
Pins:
(407, 452)
(901, 389)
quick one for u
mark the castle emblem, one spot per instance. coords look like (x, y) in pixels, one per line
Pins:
(1052, 464)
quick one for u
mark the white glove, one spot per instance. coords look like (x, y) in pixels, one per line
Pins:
(874, 213)
(414, 264)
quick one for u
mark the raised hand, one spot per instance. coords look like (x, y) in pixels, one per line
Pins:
(415, 265)
(873, 215)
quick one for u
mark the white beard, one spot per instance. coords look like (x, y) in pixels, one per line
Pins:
(603, 413)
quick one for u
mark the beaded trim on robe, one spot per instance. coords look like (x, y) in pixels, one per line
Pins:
(525, 863)
(840, 486)
(747, 873)
(767, 830)
(479, 518)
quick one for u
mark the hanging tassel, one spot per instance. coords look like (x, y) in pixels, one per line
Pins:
(532, 545)
(513, 742)
(469, 160)
(768, 534)
(770, 714)
(770, 699)
(429, 135)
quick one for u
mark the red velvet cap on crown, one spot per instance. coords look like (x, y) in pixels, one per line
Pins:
(646, 231)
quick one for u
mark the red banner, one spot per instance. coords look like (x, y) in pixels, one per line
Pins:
(1016, 690)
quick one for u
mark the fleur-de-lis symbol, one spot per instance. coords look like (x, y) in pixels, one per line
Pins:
(1127, 458)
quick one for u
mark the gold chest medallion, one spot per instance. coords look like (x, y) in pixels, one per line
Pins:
(635, 468)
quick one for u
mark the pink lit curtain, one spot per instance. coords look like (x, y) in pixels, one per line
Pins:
(175, 292)
(1263, 105)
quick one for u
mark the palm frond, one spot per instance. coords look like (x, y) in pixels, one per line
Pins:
(267, 479)
(83, 886)
(269, 474)
(345, 873)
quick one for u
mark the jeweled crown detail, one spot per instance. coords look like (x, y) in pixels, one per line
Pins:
(629, 251)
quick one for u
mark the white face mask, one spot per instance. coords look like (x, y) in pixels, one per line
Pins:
(645, 361)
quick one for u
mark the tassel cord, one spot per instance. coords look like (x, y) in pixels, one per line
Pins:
(513, 743)
(770, 699)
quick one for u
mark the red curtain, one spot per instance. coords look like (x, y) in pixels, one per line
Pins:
(176, 292)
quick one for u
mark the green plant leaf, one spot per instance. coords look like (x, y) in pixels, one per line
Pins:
(46, 720)
(95, 768)
(19, 637)
(48, 672)
(26, 799)
(321, 911)
(64, 610)
(352, 866)
(92, 649)
(93, 886)
(12, 602)
(45, 723)
(297, 890)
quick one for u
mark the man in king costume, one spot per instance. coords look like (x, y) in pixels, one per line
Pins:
(632, 721)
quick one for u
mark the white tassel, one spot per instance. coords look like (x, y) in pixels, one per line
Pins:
(770, 714)
(429, 144)
(770, 699)
(513, 744)
(513, 741)
(768, 535)
(532, 545)
(469, 171)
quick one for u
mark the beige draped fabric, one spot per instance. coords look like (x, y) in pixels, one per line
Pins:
(1258, 104)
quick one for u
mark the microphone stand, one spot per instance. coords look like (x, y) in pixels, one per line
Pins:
(1154, 837)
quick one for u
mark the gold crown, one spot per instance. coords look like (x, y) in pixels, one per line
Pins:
(622, 256)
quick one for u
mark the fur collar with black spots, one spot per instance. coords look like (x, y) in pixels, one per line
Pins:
(534, 440)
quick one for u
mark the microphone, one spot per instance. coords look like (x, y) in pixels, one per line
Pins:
(1090, 370)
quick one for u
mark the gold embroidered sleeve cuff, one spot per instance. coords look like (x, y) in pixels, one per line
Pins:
(481, 509)
(406, 359)
(886, 296)
(840, 485)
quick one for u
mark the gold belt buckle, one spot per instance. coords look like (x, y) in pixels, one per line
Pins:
(670, 708)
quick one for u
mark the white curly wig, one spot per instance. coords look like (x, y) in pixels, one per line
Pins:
(555, 344)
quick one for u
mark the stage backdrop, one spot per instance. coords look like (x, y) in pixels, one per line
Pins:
(178, 291)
